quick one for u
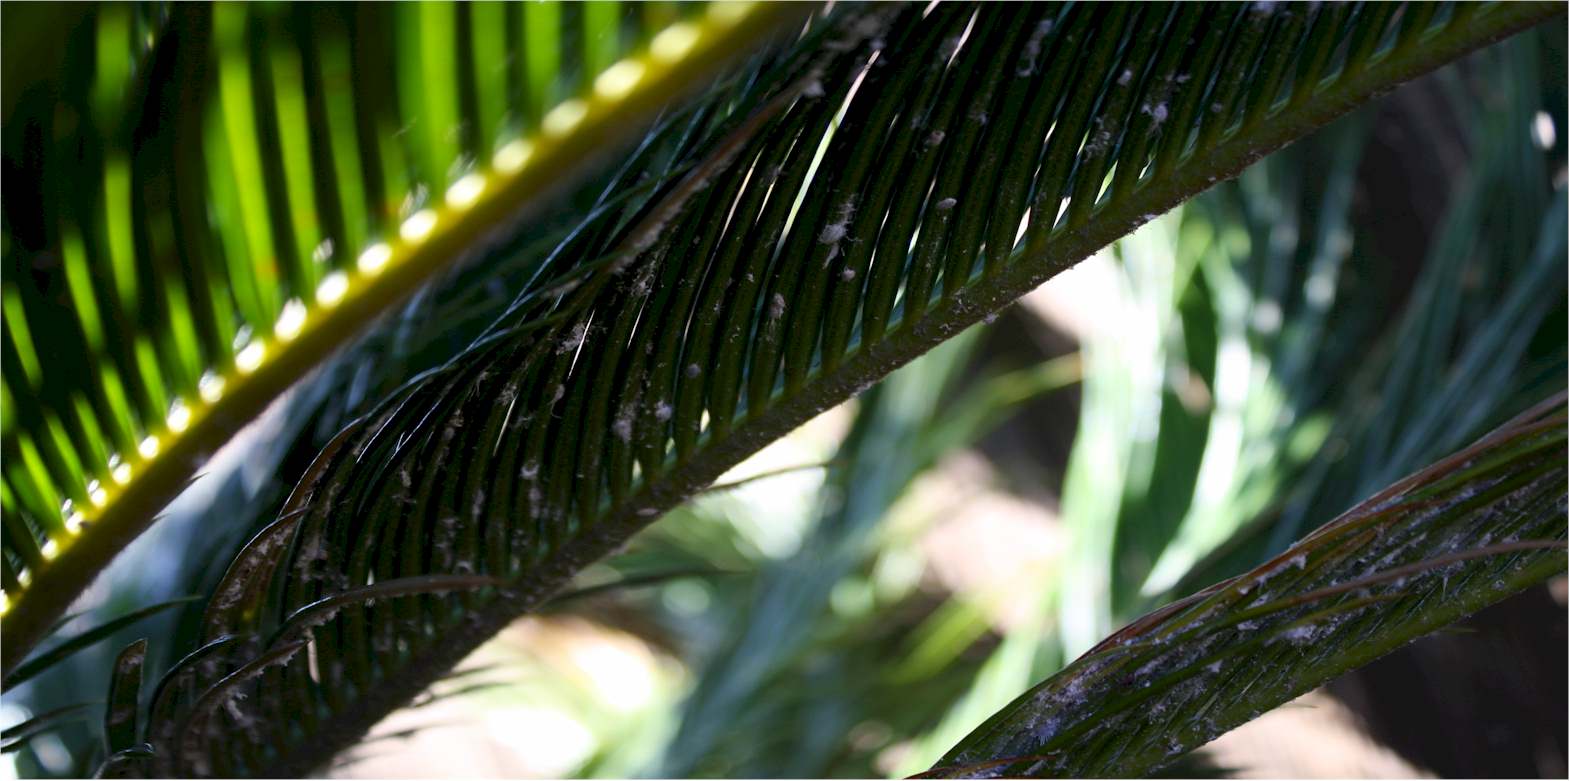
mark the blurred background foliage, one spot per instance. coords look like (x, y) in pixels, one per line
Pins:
(858, 596)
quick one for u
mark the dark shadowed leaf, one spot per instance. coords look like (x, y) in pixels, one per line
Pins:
(70, 646)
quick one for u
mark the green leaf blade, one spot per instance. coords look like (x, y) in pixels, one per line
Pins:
(232, 251)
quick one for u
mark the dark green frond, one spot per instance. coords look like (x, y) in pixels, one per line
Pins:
(903, 173)
(1464, 533)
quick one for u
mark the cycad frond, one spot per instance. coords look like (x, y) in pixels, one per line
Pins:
(1451, 539)
(231, 192)
(902, 175)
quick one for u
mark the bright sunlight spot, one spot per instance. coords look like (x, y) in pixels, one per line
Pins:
(374, 258)
(674, 42)
(119, 470)
(249, 358)
(464, 192)
(290, 320)
(418, 227)
(619, 79)
(729, 12)
(179, 416)
(513, 156)
(96, 493)
(210, 387)
(565, 117)
(332, 288)
(1543, 131)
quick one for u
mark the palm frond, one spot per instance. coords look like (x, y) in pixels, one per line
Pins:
(224, 195)
(1463, 533)
(778, 274)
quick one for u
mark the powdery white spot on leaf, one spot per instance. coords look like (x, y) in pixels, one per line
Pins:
(1098, 142)
(835, 231)
(868, 26)
(644, 282)
(574, 338)
(1027, 61)
(622, 426)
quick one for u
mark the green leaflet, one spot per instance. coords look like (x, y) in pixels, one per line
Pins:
(17, 736)
(208, 200)
(1461, 534)
(124, 707)
(71, 645)
(892, 180)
